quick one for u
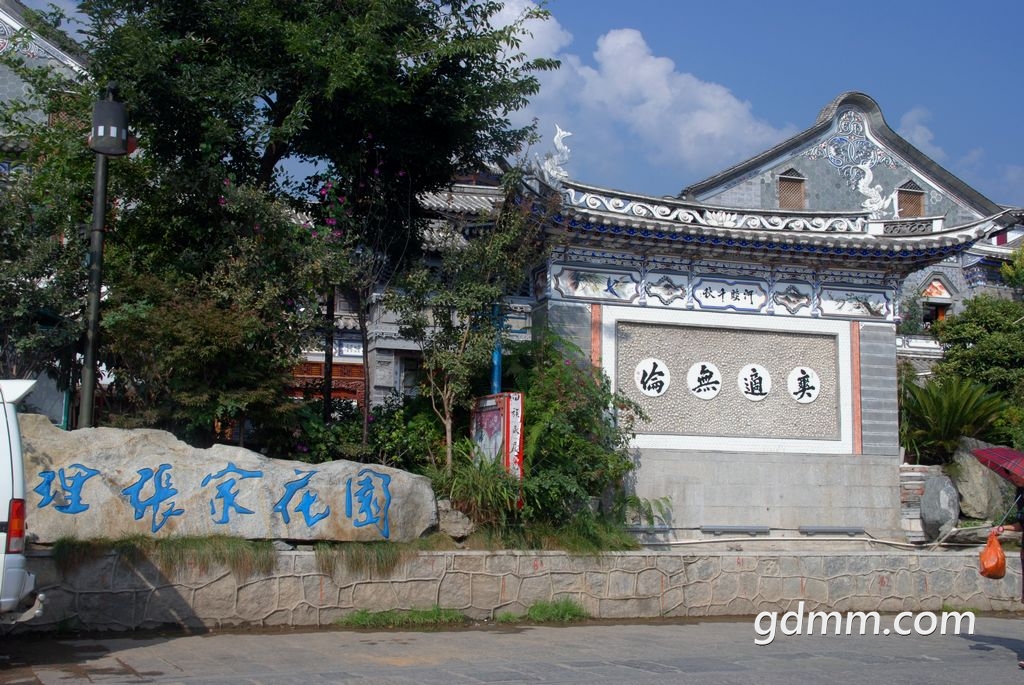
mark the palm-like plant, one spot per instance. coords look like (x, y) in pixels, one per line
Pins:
(937, 414)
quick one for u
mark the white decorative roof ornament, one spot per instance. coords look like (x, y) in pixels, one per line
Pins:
(551, 168)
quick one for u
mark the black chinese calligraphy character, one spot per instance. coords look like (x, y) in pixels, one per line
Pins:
(803, 386)
(653, 380)
(706, 381)
(754, 384)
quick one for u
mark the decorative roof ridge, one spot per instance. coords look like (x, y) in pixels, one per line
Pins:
(673, 200)
(878, 126)
(12, 13)
(588, 199)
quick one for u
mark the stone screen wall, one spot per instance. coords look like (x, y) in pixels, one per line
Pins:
(679, 409)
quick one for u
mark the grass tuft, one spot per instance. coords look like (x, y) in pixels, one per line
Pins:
(379, 558)
(245, 558)
(583, 536)
(414, 618)
(561, 610)
(70, 553)
(508, 617)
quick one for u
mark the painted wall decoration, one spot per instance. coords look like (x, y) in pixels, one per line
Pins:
(596, 285)
(754, 382)
(843, 302)
(101, 482)
(652, 377)
(704, 380)
(794, 293)
(936, 288)
(803, 384)
(793, 296)
(744, 296)
(854, 155)
(667, 289)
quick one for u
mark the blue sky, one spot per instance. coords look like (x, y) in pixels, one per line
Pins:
(659, 94)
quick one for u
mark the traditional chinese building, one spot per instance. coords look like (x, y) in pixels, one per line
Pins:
(754, 319)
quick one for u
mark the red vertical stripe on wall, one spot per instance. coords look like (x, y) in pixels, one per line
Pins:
(595, 334)
(858, 438)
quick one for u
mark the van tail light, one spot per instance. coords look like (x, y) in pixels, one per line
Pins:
(16, 527)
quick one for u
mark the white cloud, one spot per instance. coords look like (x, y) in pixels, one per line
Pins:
(912, 127)
(630, 109)
(544, 39)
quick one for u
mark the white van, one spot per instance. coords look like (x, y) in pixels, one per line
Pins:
(18, 598)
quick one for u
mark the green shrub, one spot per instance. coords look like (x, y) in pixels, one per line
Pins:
(405, 433)
(577, 430)
(937, 414)
(480, 488)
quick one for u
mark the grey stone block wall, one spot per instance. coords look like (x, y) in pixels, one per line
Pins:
(570, 320)
(781, 491)
(113, 594)
(878, 394)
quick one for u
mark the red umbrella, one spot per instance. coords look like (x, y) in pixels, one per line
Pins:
(1006, 462)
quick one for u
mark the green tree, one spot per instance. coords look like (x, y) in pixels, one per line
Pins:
(46, 204)
(912, 314)
(447, 305)
(985, 343)
(1012, 272)
(241, 107)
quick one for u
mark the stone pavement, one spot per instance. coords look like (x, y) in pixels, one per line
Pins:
(715, 652)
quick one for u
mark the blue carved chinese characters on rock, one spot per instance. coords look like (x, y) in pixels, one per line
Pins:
(367, 504)
(163, 493)
(306, 502)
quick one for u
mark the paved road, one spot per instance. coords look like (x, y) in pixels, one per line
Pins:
(709, 652)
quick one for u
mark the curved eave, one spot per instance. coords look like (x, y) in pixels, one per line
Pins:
(895, 253)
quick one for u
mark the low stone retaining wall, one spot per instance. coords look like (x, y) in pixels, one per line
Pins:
(110, 593)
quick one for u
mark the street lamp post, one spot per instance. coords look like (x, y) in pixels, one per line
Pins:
(109, 138)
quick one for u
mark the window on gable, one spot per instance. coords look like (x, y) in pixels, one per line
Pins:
(936, 300)
(910, 199)
(792, 191)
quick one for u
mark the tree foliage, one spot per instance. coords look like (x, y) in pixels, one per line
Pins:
(1012, 272)
(45, 202)
(985, 343)
(243, 111)
(448, 306)
(577, 430)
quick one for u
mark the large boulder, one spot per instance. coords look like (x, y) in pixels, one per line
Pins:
(940, 506)
(107, 482)
(453, 522)
(983, 494)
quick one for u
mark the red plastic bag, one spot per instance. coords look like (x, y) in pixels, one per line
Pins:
(992, 558)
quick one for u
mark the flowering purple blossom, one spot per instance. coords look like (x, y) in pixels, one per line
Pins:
(222, 201)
